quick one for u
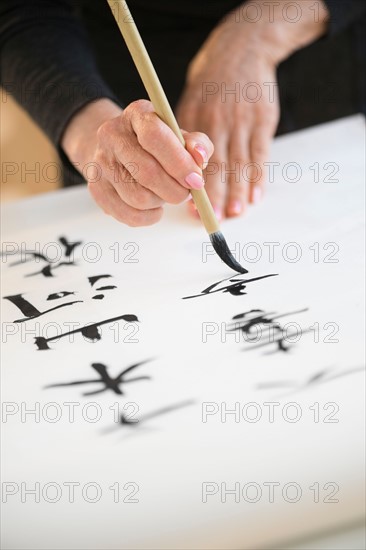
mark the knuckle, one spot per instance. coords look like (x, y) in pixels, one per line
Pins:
(100, 157)
(138, 108)
(104, 131)
(150, 131)
(118, 175)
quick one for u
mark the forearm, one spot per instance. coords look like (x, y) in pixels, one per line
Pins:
(47, 63)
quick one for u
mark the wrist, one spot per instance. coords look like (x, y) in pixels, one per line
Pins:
(277, 29)
(79, 139)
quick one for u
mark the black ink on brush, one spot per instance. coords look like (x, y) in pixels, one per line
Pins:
(221, 248)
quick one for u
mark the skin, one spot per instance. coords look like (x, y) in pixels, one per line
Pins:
(142, 165)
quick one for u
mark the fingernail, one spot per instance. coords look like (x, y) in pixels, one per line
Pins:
(257, 195)
(218, 212)
(235, 208)
(195, 181)
(203, 154)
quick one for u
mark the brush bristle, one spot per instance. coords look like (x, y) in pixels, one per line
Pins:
(222, 249)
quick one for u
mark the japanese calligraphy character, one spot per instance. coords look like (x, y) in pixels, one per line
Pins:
(109, 383)
(236, 288)
(90, 332)
(273, 331)
(31, 312)
(47, 270)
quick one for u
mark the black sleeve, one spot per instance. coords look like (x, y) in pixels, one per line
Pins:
(343, 13)
(46, 62)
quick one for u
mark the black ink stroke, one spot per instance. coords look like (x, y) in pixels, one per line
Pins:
(321, 377)
(94, 279)
(30, 310)
(46, 271)
(69, 247)
(90, 332)
(237, 287)
(164, 410)
(109, 383)
(58, 295)
(259, 318)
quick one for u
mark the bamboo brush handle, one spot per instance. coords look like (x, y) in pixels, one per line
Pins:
(158, 98)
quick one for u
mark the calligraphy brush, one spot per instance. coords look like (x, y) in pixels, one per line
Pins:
(161, 105)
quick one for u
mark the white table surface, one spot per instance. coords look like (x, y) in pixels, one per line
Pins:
(172, 456)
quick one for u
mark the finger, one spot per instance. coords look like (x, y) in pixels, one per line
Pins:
(259, 153)
(108, 199)
(140, 167)
(199, 146)
(149, 174)
(237, 196)
(159, 140)
(131, 192)
(216, 176)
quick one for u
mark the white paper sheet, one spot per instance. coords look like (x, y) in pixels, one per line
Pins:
(297, 434)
